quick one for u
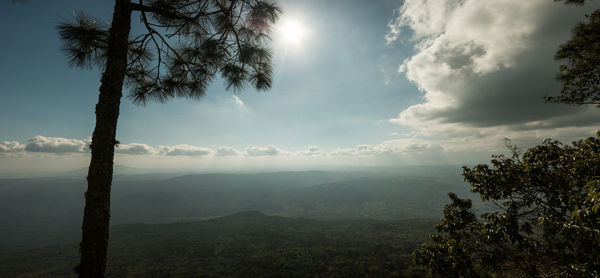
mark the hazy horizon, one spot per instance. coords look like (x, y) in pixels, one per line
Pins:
(122, 170)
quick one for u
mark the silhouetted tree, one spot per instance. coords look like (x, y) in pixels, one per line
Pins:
(183, 46)
(581, 75)
(545, 221)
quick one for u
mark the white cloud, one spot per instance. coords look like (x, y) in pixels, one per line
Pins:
(227, 151)
(184, 150)
(135, 149)
(262, 151)
(56, 145)
(402, 147)
(416, 151)
(312, 150)
(485, 66)
(426, 18)
(237, 100)
(11, 146)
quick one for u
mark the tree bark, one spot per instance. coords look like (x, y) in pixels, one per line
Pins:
(94, 243)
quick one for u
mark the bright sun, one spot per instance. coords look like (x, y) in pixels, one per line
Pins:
(292, 32)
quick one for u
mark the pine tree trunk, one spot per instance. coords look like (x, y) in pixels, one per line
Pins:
(94, 243)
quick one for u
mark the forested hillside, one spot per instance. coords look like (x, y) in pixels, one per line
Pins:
(48, 211)
(249, 244)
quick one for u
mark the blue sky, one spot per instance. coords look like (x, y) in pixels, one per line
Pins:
(371, 82)
(331, 92)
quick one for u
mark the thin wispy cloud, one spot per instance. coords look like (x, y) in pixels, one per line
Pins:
(311, 151)
(237, 100)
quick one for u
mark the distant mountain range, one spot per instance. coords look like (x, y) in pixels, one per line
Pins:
(36, 212)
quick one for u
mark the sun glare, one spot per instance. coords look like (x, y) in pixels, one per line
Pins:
(292, 32)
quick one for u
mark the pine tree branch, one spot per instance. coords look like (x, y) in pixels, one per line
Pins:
(168, 14)
(154, 10)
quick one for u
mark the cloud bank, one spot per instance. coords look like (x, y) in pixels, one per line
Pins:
(184, 150)
(134, 149)
(42, 144)
(406, 146)
(227, 151)
(484, 68)
(262, 151)
(11, 146)
(15, 156)
(57, 145)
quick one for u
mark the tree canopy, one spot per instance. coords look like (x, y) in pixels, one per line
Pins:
(580, 75)
(183, 46)
(544, 219)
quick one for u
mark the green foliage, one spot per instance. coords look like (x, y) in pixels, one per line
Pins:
(545, 220)
(581, 73)
(184, 45)
(449, 253)
(572, 2)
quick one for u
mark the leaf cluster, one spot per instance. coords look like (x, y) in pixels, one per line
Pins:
(580, 75)
(545, 220)
(184, 45)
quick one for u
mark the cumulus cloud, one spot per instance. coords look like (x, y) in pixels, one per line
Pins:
(56, 145)
(227, 151)
(184, 150)
(426, 18)
(135, 149)
(485, 66)
(11, 146)
(262, 151)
